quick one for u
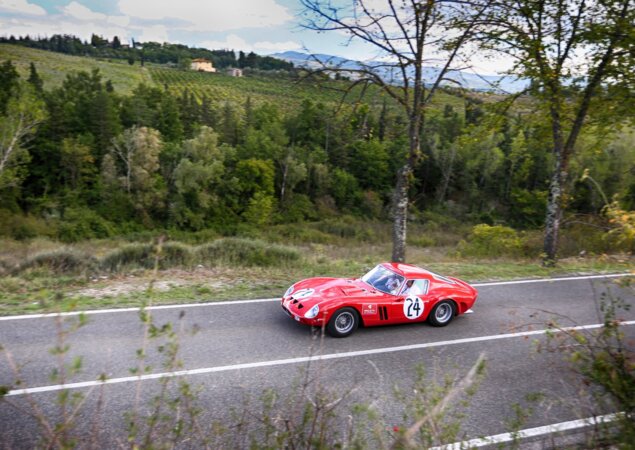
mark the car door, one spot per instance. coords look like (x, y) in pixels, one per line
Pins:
(410, 305)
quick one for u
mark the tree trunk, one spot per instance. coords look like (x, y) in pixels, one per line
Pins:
(400, 214)
(447, 175)
(554, 212)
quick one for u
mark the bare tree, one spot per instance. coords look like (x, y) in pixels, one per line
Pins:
(570, 49)
(24, 113)
(407, 35)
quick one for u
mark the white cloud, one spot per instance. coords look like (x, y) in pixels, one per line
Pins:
(267, 46)
(235, 42)
(120, 21)
(210, 15)
(80, 12)
(156, 33)
(232, 42)
(22, 6)
(62, 25)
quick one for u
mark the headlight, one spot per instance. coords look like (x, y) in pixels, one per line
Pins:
(289, 291)
(312, 312)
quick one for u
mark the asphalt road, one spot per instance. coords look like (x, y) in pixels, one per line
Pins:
(242, 348)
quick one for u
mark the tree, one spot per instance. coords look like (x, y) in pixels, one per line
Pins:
(405, 33)
(24, 112)
(35, 80)
(9, 79)
(133, 165)
(547, 40)
(196, 179)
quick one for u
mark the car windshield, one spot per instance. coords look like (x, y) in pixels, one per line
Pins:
(384, 280)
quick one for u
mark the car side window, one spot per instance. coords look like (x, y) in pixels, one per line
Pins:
(416, 287)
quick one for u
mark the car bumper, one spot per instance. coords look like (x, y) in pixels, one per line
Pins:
(317, 322)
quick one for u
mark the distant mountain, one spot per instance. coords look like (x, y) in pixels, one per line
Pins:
(466, 79)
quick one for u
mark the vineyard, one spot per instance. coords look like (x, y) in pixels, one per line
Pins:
(53, 67)
(282, 90)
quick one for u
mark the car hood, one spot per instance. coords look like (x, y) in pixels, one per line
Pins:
(328, 288)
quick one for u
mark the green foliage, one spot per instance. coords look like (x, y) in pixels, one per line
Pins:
(245, 252)
(347, 227)
(345, 190)
(61, 261)
(259, 209)
(130, 257)
(24, 111)
(81, 223)
(492, 241)
(146, 256)
(21, 227)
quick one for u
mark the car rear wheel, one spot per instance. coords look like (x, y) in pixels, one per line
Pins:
(442, 314)
(343, 322)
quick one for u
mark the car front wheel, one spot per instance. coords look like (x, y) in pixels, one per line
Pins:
(343, 323)
(442, 314)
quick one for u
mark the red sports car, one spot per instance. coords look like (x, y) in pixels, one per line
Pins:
(390, 293)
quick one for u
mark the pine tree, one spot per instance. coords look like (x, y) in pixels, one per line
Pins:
(34, 79)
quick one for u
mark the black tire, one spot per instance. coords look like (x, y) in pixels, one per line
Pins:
(442, 313)
(343, 323)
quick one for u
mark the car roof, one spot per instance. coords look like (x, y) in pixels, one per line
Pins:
(408, 270)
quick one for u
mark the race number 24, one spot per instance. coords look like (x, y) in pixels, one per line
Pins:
(413, 307)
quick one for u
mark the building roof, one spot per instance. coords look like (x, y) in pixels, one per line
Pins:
(201, 60)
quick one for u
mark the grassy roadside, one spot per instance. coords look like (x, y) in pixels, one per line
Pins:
(39, 291)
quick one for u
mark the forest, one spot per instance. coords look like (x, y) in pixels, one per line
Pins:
(160, 53)
(81, 160)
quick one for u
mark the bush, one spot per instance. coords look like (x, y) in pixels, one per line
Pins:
(20, 227)
(348, 228)
(133, 256)
(60, 261)
(130, 256)
(492, 241)
(244, 252)
(299, 233)
(82, 223)
(421, 241)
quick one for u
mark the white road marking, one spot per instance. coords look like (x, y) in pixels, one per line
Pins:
(530, 432)
(277, 299)
(304, 359)
(547, 280)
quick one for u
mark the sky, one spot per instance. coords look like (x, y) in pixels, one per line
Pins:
(262, 26)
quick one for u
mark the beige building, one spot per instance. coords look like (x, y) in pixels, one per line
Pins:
(233, 72)
(202, 65)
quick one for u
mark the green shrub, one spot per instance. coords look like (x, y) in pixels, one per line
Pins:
(348, 228)
(244, 252)
(63, 260)
(297, 208)
(421, 241)
(584, 237)
(130, 256)
(5, 267)
(492, 241)
(144, 256)
(176, 254)
(21, 227)
(299, 233)
(83, 223)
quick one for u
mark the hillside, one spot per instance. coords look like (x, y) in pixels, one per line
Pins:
(53, 67)
(281, 90)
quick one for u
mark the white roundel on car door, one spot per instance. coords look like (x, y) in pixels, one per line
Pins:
(413, 307)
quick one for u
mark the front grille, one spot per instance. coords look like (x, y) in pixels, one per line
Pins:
(287, 311)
